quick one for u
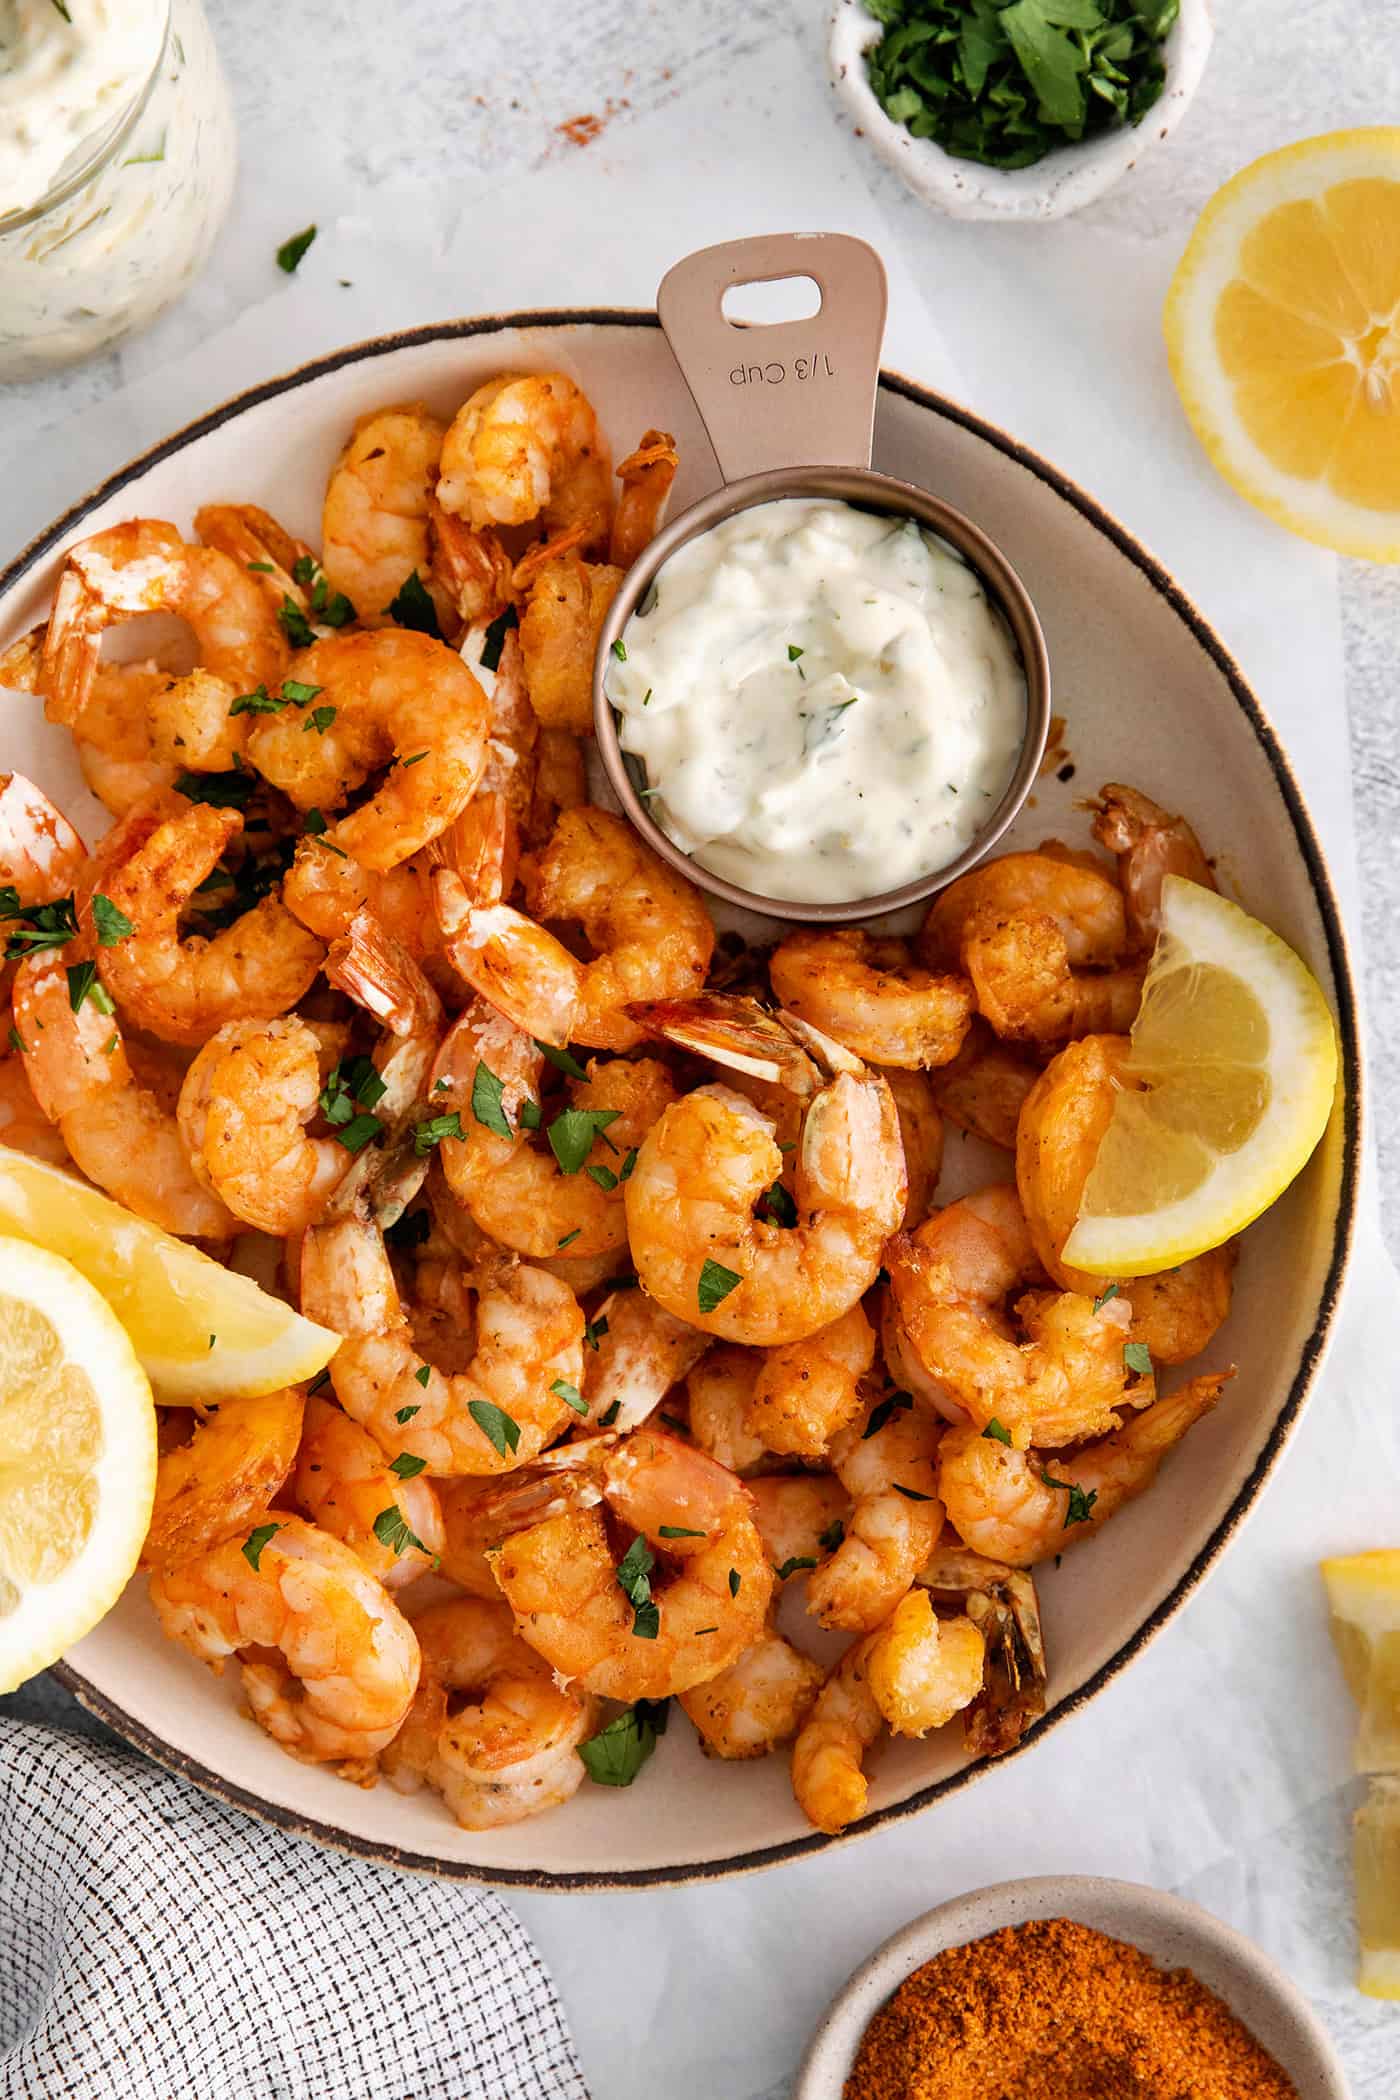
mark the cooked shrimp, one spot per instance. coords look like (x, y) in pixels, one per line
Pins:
(885, 1462)
(461, 1232)
(510, 1752)
(1150, 845)
(396, 699)
(496, 1414)
(950, 1281)
(560, 784)
(374, 522)
(244, 1107)
(922, 1669)
(528, 446)
(1062, 1124)
(640, 1351)
(144, 566)
(871, 996)
(806, 1391)
(983, 1089)
(252, 537)
(348, 1665)
(344, 1483)
(113, 739)
(664, 1632)
(41, 855)
(468, 1534)
(23, 1125)
(651, 935)
(1084, 902)
(117, 1130)
(800, 1517)
(828, 1757)
(646, 476)
(1026, 988)
(568, 600)
(760, 1701)
(193, 726)
(719, 1395)
(1002, 1604)
(471, 570)
(183, 990)
(702, 1169)
(517, 1192)
(209, 1488)
(1023, 1506)
(921, 1134)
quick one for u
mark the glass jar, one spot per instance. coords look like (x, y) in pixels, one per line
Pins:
(128, 220)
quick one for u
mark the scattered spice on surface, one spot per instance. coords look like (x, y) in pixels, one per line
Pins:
(1052, 2010)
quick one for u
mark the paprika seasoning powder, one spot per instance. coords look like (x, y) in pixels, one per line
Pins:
(1052, 2010)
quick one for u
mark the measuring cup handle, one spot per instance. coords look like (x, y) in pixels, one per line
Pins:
(786, 393)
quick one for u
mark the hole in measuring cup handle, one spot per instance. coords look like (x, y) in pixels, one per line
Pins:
(768, 302)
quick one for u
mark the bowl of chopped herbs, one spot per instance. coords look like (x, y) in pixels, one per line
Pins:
(1016, 109)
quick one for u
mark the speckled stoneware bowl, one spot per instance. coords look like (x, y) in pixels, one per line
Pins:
(1174, 1933)
(1150, 696)
(1065, 181)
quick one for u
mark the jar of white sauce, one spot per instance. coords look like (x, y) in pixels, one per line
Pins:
(117, 159)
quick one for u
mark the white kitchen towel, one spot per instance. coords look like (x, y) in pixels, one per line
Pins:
(155, 1945)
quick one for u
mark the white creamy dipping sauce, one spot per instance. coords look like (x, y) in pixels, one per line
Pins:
(825, 701)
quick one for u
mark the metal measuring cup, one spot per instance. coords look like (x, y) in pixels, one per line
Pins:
(790, 408)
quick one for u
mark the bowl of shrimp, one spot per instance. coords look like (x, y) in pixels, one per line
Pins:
(630, 1535)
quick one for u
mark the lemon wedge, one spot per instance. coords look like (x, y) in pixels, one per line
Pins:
(1283, 333)
(201, 1331)
(1363, 1596)
(1232, 1074)
(77, 1458)
(1376, 1857)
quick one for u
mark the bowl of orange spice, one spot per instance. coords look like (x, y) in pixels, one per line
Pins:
(1068, 1985)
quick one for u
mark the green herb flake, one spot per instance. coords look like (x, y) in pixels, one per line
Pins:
(500, 1431)
(572, 1134)
(112, 924)
(619, 650)
(319, 719)
(617, 1753)
(593, 1332)
(416, 760)
(610, 1415)
(231, 790)
(412, 607)
(295, 625)
(292, 250)
(604, 1176)
(487, 1091)
(794, 652)
(735, 1582)
(794, 1565)
(1138, 1357)
(531, 1115)
(562, 1059)
(777, 1205)
(1080, 1503)
(407, 1466)
(427, 1135)
(255, 1541)
(909, 1494)
(16, 1040)
(357, 1133)
(406, 1414)
(570, 1395)
(832, 1537)
(1101, 1301)
(624, 1172)
(678, 1531)
(392, 1529)
(716, 1282)
(421, 1377)
(82, 979)
(997, 1432)
(568, 1239)
(494, 639)
(893, 1403)
(261, 568)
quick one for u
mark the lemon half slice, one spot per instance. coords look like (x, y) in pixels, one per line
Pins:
(1376, 1857)
(77, 1458)
(1363, 1595)
(201, 1331)
(1283, 333)
(1234, 1056)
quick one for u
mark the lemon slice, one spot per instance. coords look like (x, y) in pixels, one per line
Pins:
(202, 1332)
(1376, 1859)
(77, 1458)
(1363, 1595)
(1235, 1061)
(1283, 333)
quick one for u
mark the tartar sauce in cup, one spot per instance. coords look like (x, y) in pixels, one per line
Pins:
(824, 700)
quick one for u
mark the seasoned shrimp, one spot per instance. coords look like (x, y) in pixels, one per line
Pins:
(1084, 902)
(243, 1111)
(1027, 989)
(117, 1129)
(1062, 1124)
(885, 1462)
(870, 995)
(828, 1757)
(517, 1193)
(509, 1752)
(922, 1669)
(528, 446)
(23, 1125)
(950, 1281)
(921, 1134)
(343, 1482)
(1023, 1506)
(1150, 845)
(144, 566)
(760, 1701)
(983, 1089)
(1002, 1604)
(41, 855)
(806, 1391)
(646, 476)
(719, 1396)
(252, 537)
(664, 1632)
(374, 521)
(650, 932)
(395, 699)
(696, 1242)
(468, 1534)
(211, 1487)
(800, 1517)
(183, 990)
(348, 1659)
(640, 1351)
(566, 605)
(113, 739)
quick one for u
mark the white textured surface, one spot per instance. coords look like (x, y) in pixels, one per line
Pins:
(442, 123)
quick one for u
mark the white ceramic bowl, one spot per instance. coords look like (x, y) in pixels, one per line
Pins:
(1153, 698)
(1173, 1933)
(1064, 181)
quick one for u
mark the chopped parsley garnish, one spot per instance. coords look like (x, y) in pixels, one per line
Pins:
(793, 1565)
(570, 1395)
(406, 1414)
(231, 790)
(619, 650)
(794, 652)
(624, 1172)
(292, 250)
(487, 1091)
(494, 639)
(569, 1238)
(350, 1092)
(407, 1465)
(997, 1432)
(882, 1410)
(295, 625)
(260, 701)
(255, 1541)
(679, 1531)
(1080, 1504)
(531, 1115)
(416, 760)
(716, 1282)
(319, 719)
(604, 1176)
(411, 606)
(83, 984)
(909, 1494)
(112, 924)
(572, 1132)
(735, 1582)
(427, 1135)
(500, 1431)
(392, 1529)
(1102, 1300)
(616, 1754)
(46, 926)
(16, 1039)
(593, 1332)
(1138, 1357)
(776, 1204)
(562, 1059)
(832, 1537)
(610, 1415)
(634, 1579)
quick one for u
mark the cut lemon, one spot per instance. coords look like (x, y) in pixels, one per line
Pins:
(77, 1458)
(1363, 1595)
(1283, 332)
(202, 1332)
(1234, 1060)
(1376, 1857)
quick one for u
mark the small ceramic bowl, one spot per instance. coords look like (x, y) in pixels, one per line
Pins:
(1064, 181)
(1172, 1932)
